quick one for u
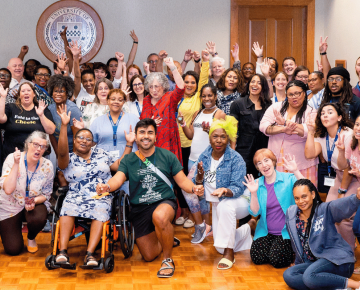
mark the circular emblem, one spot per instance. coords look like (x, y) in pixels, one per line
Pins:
(83, 25)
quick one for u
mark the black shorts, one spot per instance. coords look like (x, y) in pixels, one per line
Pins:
(141, 216)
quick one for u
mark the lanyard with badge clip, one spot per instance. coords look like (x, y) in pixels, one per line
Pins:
(138, 108)
(28, 181)
(329, 180)
(115, 127)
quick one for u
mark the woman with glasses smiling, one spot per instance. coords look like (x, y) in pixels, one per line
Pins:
(137, 94)
(42, 74)
(26, 186)
(285, 124)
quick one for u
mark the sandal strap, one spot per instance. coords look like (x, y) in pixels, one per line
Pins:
(166, 262)
(89, 257)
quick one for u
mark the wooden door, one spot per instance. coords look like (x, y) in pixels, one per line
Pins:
(282, 29)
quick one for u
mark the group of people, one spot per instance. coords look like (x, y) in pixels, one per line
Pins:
(251, 143)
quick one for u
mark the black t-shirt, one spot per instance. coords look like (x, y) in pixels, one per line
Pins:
(19, 125)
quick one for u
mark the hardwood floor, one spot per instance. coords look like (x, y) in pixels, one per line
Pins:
(195, 269)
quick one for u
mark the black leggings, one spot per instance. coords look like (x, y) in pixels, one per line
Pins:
(273, 250)
(10, 229)
(185, 155)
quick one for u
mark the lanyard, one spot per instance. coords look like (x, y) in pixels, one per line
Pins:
(28, 181)
(115, 127)
(144, 159)
(330, 152)
(177, 111)
(138, 108)
(276, 100)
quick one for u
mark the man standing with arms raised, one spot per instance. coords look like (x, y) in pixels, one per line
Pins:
(152, 171)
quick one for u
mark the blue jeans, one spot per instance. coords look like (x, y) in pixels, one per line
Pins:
(321, 274)
(356, 224)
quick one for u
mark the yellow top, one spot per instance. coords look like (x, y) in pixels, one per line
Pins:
(190, 105)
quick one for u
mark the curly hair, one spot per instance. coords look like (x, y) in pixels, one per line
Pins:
(18, 100)
(264, 94)
(160, 77)
(221, 83)
(102, 80)
(133, 97)
(345, 123)
(60, 81)
(195, 76)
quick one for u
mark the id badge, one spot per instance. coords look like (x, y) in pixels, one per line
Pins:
(329, 181)
(115, 154)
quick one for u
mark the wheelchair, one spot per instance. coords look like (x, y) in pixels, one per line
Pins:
(118, 229)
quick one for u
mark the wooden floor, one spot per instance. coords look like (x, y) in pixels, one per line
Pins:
(195, 269)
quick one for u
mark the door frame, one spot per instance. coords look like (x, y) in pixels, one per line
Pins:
(310, 15)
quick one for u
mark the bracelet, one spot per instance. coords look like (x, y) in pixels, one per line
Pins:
(260, 56)
(323, 53)
(197, 60)
(185, 61)
(108, 187)
(183, 125)
(136, 42)
(129, 146)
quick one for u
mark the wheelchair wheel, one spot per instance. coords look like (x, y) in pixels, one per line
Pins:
(109, 264)
(48, 261)
(126, 229)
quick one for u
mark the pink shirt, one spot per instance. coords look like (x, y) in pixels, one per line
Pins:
(353, 156)
(292, 144)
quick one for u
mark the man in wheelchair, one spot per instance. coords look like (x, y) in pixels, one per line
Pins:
(152, 171)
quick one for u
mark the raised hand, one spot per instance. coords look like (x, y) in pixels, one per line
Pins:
(146, 67)
(323, 45)
(196, 55)
(40, 109)
(163, 54)
(61, 61)
(127, 90)
(75, 49)
(206, 126)
(290, 128)
(310, 123)
(235, 52)
(3, 92)
(63, 33)
(65, 118)
(130, 137)
(200, 168)
(211, 47)
(180, 118)
(319, 65)
(188, 55)
(290, 163)
(78, 124)
(119, 56)
(257, 49)
(24, 49)
(205, 55)
(278, 118)
(133, 36)
(251, 183)
(340, 144)
(265, 67)
(169, 62)
(17, 155)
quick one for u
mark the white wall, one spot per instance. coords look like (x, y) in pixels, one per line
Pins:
(171, 25)
(339, 19)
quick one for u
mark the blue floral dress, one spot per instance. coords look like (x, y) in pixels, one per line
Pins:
(83, 178)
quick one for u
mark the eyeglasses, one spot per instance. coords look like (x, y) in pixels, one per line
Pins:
(42, 75)
(302, 77)
(4, 76)
(154, 87)
(37, 145)
(82, 138)
(59, 92)
(248, 68)
(312, 80)
(294, 95)
(152, 61)
(138, 85)
(117, 100)
(337, 79)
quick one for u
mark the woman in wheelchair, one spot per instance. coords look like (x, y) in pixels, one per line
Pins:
(26, 185)
(83, 169)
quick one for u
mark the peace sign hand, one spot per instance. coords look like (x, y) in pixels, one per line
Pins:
(323, 45)
(340, 144)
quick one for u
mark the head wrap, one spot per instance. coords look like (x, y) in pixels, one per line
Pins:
(229, 125)
(339, 70)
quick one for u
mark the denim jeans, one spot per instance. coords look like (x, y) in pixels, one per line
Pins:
(356, 225)
(321, 274)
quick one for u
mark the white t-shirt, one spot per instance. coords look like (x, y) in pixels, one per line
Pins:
(83, 99)
(348, 136)
(133, 108)
(210, 180)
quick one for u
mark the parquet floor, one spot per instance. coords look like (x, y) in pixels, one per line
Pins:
(195, 269)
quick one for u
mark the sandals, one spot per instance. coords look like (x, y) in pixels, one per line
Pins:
(90, 259)
(176, 242)
(168, 266)
(62, 257)
(226, 262)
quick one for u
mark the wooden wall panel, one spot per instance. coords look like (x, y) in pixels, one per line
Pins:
(257, 31)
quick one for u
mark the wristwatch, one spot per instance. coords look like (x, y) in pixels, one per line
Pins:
(342, 191)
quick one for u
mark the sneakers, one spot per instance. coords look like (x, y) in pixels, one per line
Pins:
(47, 227)
(200, 234)
(188, 224)
(209, 231)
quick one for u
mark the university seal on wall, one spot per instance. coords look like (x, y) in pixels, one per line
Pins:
(83, 25)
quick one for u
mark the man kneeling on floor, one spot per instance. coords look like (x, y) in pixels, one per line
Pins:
(151, 171)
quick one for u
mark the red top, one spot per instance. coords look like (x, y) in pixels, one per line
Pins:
(167, 136)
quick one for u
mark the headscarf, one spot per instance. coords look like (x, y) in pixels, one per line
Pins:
(229, 125)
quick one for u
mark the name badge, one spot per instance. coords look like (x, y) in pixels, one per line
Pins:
(115, 154)
(329, 181)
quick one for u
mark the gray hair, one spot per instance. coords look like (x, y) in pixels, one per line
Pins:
(160, 77)
(216, 58)
(36, 134)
